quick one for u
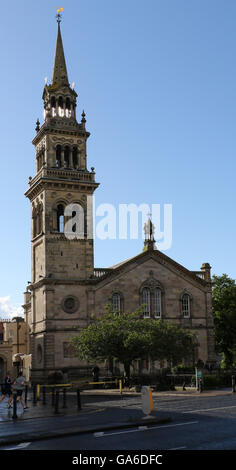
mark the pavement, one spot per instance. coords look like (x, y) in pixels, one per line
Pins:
(39, 421)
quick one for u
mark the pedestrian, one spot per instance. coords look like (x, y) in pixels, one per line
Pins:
(19, 387)
(95, 372)
(7, 389)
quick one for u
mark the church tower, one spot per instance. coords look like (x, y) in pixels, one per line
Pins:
(61, 219)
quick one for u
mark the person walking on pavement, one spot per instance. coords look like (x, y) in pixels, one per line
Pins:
(19, 387)
(7, 389)
(95, 374)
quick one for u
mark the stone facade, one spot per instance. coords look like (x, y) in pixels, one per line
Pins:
(155, 270)
(50, 341)
(66, 289)
(13, 341)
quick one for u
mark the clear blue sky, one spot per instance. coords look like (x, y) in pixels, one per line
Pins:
(157, 80)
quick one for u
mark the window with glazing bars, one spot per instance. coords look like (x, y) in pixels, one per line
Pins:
(186, 306)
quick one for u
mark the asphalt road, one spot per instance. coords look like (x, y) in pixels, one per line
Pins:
(199, 423)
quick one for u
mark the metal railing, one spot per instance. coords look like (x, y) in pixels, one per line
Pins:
(49, 394)
(99, 272)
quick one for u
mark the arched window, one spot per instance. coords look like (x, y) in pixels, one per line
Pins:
(146, 302)
(116, 303)
(75, 221)
(157, 302)
(60, 218)
(58, 156)
(151, 298)
(186, 306)
(75, 157)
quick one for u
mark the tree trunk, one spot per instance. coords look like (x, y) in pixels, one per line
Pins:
(127, 369)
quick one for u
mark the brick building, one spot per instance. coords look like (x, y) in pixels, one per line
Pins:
(66, 288)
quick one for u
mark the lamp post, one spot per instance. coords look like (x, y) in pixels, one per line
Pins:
(18, 320)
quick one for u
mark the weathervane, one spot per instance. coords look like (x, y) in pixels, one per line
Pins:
(58, 16)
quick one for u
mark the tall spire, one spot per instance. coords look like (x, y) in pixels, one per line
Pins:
(59, 74)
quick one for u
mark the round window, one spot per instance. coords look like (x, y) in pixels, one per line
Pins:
(70, 304)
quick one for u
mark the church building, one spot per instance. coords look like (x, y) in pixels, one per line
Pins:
(66, 290)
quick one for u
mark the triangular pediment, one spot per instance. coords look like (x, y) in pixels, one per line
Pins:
(158, 257)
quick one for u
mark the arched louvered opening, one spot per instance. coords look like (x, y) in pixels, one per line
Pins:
(53, 106)
(40, 218)
(68, 107)
(58, 156)
(67, 156)
(34, 217)
(60, 106)
(75, 157)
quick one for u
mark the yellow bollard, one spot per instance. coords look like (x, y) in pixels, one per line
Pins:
(147, 401)
(120, 386)
(38, 392)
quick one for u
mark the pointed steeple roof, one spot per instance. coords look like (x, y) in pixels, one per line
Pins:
(149, 230)
(59, 74)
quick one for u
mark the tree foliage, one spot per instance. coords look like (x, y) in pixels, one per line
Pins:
(224, 311)
(129, 337)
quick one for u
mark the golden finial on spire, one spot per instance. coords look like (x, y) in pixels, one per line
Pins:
(58, 16)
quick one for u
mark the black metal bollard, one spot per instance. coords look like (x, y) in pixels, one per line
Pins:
(14, 415)
(44, 395)
(26, 395)
(233, 383)
(53, 396)
(78, 399)
(56, 411)
(64, 398)
(34, 395)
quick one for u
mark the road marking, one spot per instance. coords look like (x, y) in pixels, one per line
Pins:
(98, 434)
(177, 448)
(147, 429)
(95, 411)
(23, 445)
(210, 409)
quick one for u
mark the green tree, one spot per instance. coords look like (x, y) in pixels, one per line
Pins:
(171, 342)
(129, 337)
(224, 311)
